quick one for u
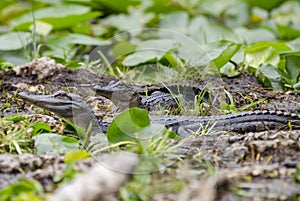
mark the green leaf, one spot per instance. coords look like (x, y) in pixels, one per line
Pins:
(15, 118)
(293, 68)
(84, 40)
(261, 53)
(73, 156)
(20, 190)
(117, 5)
(54, 144)
(176, 21)
(278, 46)
(132, 22)
(265, 4)
(127, 123)
(297, 86)
(123, 48)
(225, 50)
(14, 40)
(152, 73)
(41, 28)
(213, 32)
(40, 127)
(61, 16)
(143, 57)
(16, 57)
(74, 130)
(287, 32)
(250, 36)
(150, 50)
(273, 74)
(270, 71)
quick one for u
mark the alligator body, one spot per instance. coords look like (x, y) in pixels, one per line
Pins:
(125, 96)
(72, 107)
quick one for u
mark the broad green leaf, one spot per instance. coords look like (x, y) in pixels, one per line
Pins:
(224, 52)
(127, 123)
(150, 50)
(293, 67)
(116, 5)
(60, 11)
(23, 189)
(123, 48)
(150, 131)
(216, 7)
(286, 20)
(73, 156)
(132, 22)
(140, 57)
(62, 16)
(229, 70)
(236, 15)
(273, 74)
(164, 45)
(152, 73)
(40, 127)
(16, 57)
(162, 6)
(14, 40)
(278, 46)
(74, 130)
(290, 53)
(9, 11)
(295, 44)
(176, 21)
(81, 39)
(250, 36)
(270, 71)
(62, 41)
(54, 144)
(63, 46)
(214, 32)
(287, 32)
(265, 4)
(297, 86)
(41, 28)
(259, 54)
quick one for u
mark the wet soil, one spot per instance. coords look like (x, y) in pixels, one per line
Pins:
(251, 166)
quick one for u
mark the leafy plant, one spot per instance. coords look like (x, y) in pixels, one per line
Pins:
(15, 134)
(71, 157)
(23, 190)
(283, 77)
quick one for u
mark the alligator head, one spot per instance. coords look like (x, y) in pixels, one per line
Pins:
(67, 105)
(122, 95)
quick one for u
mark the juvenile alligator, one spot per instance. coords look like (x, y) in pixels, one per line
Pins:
(124, 96)
(73, 108)
(168, 97)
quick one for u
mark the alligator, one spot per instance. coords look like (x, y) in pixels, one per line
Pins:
(73, 108)
(156, 96)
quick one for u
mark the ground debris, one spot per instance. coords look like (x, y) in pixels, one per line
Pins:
(229, 184)
(101, 181)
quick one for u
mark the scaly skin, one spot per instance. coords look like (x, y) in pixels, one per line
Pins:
(72, 107)
(124, 96)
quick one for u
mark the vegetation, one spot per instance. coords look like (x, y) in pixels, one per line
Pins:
(150, 41)
(204, 37)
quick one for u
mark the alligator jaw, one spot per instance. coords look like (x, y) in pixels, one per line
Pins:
(68, 106)
(60, 102)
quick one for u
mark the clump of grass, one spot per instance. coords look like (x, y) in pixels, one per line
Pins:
(15, 135)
